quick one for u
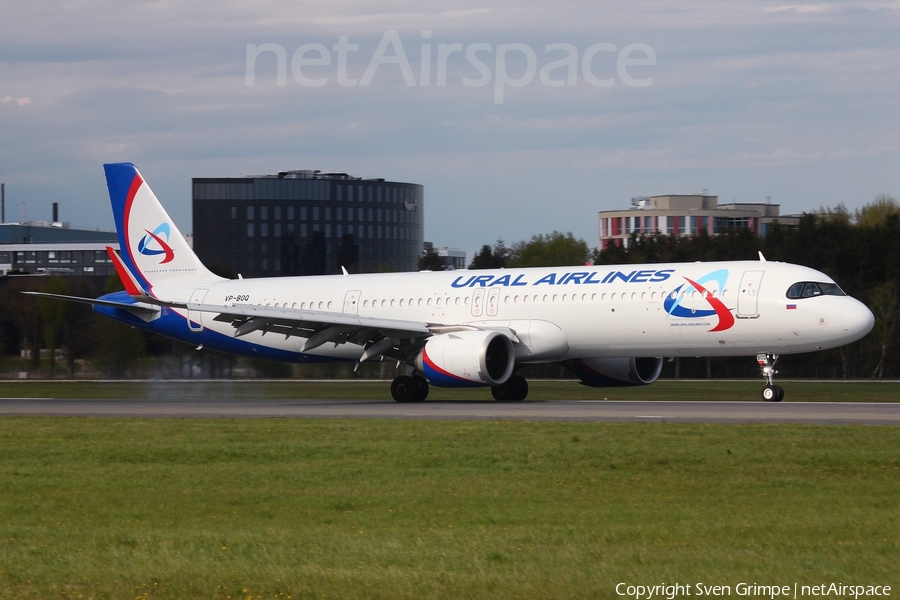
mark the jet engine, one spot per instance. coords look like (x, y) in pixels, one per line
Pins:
(616, 372)
(467, 358)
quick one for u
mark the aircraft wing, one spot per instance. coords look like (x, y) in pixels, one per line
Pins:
(319, 327)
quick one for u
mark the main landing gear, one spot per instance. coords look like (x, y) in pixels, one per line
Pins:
(513, 390)
(415, 389)
(771, 392)
(409, 389)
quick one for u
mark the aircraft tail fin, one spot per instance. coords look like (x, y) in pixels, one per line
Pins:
(153, 251)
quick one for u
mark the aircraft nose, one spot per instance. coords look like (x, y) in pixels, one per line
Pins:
(857, 319)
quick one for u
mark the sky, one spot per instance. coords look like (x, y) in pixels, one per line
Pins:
(518, 117)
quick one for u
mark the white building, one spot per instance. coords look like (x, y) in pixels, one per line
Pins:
(686, 215)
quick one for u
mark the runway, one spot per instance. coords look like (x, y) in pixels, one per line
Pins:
(824, 413)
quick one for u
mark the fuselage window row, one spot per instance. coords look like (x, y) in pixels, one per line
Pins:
(798, 290)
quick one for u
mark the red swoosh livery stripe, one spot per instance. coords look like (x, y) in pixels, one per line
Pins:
(136, 184)
(170, 254)
(726, 319)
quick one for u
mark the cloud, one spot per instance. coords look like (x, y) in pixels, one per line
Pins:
(755, 99)
(19, 101)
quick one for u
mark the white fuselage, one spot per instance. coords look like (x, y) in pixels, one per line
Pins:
(562, 313)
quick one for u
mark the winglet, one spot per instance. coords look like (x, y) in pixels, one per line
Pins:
(761, 257)
(132, 286)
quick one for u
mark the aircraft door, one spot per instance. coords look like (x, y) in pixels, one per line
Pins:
(748, 295)
(478, 302)
(195, 317)
(351, 302)
(493, 302)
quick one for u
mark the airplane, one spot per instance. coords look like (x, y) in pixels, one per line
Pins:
(611, 325)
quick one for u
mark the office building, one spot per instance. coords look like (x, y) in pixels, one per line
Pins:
(307, 223)
(54, 248)
(686, 215)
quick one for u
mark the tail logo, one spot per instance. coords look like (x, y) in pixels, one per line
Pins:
(153, 243)
(676, 300)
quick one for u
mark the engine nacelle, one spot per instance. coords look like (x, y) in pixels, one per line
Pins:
(467, 358)
(616, 372)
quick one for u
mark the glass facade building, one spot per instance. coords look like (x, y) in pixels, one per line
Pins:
(307, 223)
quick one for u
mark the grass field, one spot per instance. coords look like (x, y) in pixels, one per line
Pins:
(290, 508)
(797, 391)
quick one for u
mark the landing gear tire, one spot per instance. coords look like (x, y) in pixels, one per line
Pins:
(515, 389)
(409, 389)
(421, 385)
(773, 393)
(403, 389)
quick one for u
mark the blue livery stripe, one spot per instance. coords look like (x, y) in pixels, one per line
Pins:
(123, 180)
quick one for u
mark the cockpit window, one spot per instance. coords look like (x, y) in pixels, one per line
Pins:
(831, 289)
(795, 291)
(810, 289)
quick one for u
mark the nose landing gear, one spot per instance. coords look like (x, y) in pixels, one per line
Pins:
(771, 392)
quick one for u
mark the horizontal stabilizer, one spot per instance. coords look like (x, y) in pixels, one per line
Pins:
(138, 307)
